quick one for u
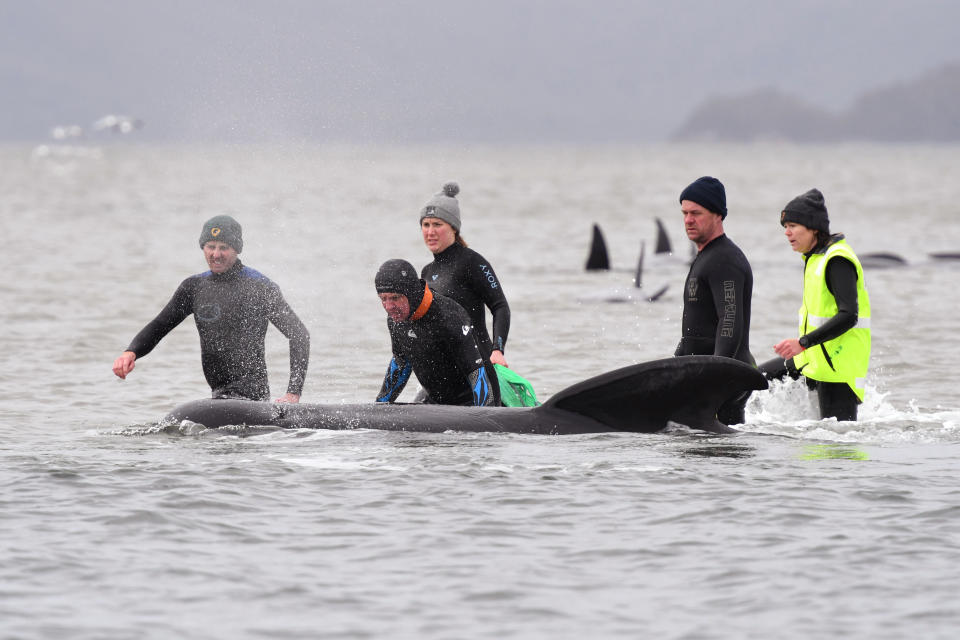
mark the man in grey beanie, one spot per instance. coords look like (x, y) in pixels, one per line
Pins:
(232, 305)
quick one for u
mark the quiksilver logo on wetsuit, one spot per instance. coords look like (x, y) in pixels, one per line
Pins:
(411, 333)
(208, 312)
(435, 276)
(466, 329)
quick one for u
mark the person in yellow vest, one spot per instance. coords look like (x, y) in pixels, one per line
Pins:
(833, 350)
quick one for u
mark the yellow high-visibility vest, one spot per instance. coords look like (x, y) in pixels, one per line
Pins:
(845, 358)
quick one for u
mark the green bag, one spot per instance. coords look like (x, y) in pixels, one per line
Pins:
(515, 390)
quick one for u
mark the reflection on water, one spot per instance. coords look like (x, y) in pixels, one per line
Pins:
(832, 452)
(720, 451)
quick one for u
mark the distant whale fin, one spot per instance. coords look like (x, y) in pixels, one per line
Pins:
(881, 260)
(663, 240)
(656, 296)
(945, 255)
(599, 259)
(644, 397)
(638, 277)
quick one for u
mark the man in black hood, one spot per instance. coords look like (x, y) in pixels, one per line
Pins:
(431, 336)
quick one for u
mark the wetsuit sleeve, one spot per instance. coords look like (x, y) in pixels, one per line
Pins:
(485, 281)
(841, 276)
(284, 319)
(176, 310)
(398, 372)
(728, 288)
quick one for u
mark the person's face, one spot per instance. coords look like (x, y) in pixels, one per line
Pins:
(219, 255)
(396, 305)
(701, 224)
(437, 234)
(802, 239)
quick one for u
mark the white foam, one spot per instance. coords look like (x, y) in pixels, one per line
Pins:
(343, 464)
(789, 408)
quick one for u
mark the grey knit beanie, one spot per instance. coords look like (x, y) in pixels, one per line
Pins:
(222, 229)
(444, 205)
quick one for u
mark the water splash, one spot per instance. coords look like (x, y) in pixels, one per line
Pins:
(789, 408)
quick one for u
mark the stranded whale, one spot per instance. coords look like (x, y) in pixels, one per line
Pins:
(640, 398)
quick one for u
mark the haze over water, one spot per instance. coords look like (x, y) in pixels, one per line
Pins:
(115, 528)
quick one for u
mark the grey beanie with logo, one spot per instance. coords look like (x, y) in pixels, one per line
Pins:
(222, 229)
(444, 206)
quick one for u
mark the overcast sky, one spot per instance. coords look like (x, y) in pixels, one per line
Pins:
(495, 71)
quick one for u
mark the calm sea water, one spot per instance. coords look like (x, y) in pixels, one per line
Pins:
(112, 527)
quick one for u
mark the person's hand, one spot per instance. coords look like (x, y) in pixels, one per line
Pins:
(786, 349)
(496, 357)
(292, 398)
(124, 364)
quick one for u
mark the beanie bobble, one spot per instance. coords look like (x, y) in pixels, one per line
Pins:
(451, 189)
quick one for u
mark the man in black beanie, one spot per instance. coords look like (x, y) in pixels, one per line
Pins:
(431, 336)
(719, 287)
(231, 304)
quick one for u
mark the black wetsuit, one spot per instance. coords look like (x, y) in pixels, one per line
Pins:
(231, 311)
(442, 350)
(716, 311)
(836, 399)
(464, 275)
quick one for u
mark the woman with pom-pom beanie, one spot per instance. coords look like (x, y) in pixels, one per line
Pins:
(463, 274)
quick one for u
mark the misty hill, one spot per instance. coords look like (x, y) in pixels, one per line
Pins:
(926, 109)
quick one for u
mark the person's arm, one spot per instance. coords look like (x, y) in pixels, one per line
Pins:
(485, 280)
(728, 288)
(284, 319)
(175, 311)
(124, 364)
(398, 372)
(841, 276)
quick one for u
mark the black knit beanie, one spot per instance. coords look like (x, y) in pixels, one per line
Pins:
(807, 209)
(708, 193)
(399, 276)
(222, 229)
